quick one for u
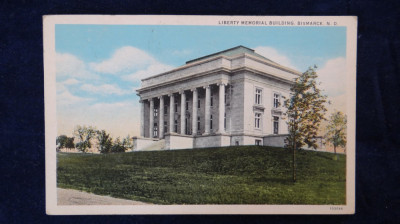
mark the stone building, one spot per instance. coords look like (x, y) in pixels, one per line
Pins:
(232, 97)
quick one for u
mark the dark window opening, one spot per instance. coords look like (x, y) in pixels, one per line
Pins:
(155, 130)
(276, 125)
(176, 126)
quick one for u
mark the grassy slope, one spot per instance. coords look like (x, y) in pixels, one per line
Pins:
(232, 175)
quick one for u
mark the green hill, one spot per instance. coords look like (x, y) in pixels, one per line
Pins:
(229, 175)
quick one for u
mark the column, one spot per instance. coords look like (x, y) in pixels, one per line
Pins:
(183, 112)
(171, 112)
(207, 111)
(194, 113)
(221, 108)
(151, 126)
(141, 118)
(161, 118)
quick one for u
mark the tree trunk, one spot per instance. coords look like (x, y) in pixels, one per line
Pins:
(334, 149)
(294, 160)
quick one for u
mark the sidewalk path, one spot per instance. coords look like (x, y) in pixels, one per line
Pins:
(74, 197)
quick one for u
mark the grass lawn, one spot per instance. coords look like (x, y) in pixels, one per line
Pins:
(230, 175)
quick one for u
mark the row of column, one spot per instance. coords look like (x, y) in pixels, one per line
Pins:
(207, 114)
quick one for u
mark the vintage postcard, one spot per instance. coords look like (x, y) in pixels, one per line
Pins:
(200, 114)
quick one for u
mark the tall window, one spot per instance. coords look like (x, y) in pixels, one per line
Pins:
(198, 124)
(165, 109)
(176, 126)
(155, 112)
(211, 123)
(187, 105)
(165, 127)
(155, 130)
(186, 126)
(276, 125)
(258, 96)
(225, 95)
(198, 104)
(257, 120)
(225, 121)
(276, 100)
(212, 99)
(176, 107)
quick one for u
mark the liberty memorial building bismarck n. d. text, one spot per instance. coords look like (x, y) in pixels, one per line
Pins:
(232, 97)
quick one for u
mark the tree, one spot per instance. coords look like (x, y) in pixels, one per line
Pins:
(70, 143)
(105, 141)
(118, 146)
(84, 135)
(61, 142)
(127, 142)
(305, 111)
(336, 130)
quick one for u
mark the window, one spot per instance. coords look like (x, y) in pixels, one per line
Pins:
(176, 107)
(165, 127)
(276, 100)
(198, 104)
(176, 126)
(225, 96)
(198, 124)
(211, 123)
(258, 142)
(187, 105)
(258, 96)
(155, 130)
(212, 99)
(155, 112)
(165, 110)
(186, 126)
(225, 121)
(257, 120)
(276, 125)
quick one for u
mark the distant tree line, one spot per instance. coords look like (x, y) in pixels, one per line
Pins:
(84, 135)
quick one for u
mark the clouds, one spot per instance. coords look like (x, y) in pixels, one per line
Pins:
(65, 98)
(124, 59)
(68, 65)
(153, 69)
(97, 93)
(274, 55)
(105, 89)
(333, 76)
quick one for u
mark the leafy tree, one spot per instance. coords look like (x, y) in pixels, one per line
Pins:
(305, 111)
(84, 135)
(127, 142)
(118, 146)
(70, 143)
(61, 142)
(336, 130)
(105, 141)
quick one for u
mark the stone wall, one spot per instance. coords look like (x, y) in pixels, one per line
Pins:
(275, 140)
(173, 141)
(141, 143)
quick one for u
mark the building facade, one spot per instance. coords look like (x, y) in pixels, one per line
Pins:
(232, 97)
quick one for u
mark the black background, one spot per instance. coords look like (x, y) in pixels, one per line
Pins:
(22, 161)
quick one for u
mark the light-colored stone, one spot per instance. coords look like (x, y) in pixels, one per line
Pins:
(238, 70)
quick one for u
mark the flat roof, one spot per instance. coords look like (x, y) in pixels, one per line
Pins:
(230, 52)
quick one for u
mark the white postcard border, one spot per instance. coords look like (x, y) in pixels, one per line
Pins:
(52, 208)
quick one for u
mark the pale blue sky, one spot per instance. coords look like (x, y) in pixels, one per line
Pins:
(97, 69)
